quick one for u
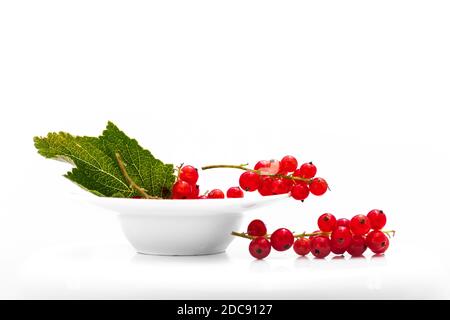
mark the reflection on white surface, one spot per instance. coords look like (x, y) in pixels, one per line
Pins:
(84, 271)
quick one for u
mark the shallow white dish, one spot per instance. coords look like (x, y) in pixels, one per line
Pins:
(180, 227)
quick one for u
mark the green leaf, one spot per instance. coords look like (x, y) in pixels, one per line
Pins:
(96, 168)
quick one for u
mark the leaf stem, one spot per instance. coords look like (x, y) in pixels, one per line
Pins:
(130, 181)
(244, 167)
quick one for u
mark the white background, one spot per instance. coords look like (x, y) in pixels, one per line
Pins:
(359, 87)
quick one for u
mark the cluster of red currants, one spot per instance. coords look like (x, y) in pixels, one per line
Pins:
(273, 177)
(186, 187)
(337, 236)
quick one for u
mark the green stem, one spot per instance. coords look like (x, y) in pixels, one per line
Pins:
(298, 235)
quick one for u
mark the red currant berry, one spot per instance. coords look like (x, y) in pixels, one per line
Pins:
(257, 228)
(249, 181)
(341, 237)
(377, 241)
(342, 222)
(288, 164)
(195, 191)
(326, 222)
(259, 248)
(307, 170)
(280, 186)
(235, 192)
(318, 186)
(320, 247)
(300, 191)
(335, 249)
(282, 239)
(360, 224)
(272, 168)
(265, 186)
(216, 194)
(181, 190)
(302, 246)
(377, 219)
(189, 174)
(357, 246)
(262, 164)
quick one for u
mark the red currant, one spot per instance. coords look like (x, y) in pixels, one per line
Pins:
(336, 249)
(300, 191)
(262, 164)
(307, 170)
(235, 192)
(189, 174)
(357, 246)
(342, 222)
(288, 164)
(377, 219)
(302, 246)
(249, 181)
(326, 222)
(377, 241)
(359, 225)
(318, 186)
(280, 186)
(195, 191)
(265, 186)
(282, 239)
(341, 237)
(257, 228)
(181, 190)
(259, 248)
(216, 194)
(320, 247)
(268, 168)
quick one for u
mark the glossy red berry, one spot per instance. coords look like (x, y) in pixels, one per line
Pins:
(259, 247)
(262, 164)
(300, 191)
(318, 186)
(249, 181)
(235, 192)
(257, 228)
(216, 194)
(195, 191)
(268, 167)
(307, 170)
(282, 239)
(265, 186)
(280, 186)
(377, 219)
(318, 232)
(357, 246)
(336, 249)
(360, 224)
(288, 164)
(189, 174)
(302, 246)
(377, 241)
(341, 237)
(326, 222)
(342, 222)
(181, 190)
(320, 247)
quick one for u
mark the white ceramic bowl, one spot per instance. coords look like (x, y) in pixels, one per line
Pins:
(180, 227)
